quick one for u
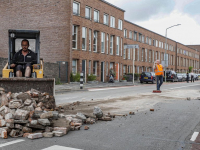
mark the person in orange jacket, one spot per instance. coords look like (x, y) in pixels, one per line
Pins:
(158, 68)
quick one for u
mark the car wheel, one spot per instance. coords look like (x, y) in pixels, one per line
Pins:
(146, 82)
(141, 82)
(153, 82)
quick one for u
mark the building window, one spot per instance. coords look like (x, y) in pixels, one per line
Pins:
(145, 55)
(142, 54)
(74, 66)
(102, 42)
(150, 56)
(87, 12)
(124, 69)
(147, 40)
(112, 21)
(156, 55)
(129, 69)
(156, 43)
(129, 53)
(95, 68)
(90, 38)
(96, 15)
(142, 38)
(121, 69)
(130, 35)
(107, 42)
(106, 68)
(89, 71)
(76, 8)
(135, 36)
(111, 44)
(74, 37)
(121, 46)
(120, 24)
(124, 54)
(138, 56)
(84, 33)
(105, 19)
(117, 46)
(95, 42)
(153, 57)
(125, 33)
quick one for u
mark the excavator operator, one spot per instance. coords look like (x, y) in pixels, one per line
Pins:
(23, 60)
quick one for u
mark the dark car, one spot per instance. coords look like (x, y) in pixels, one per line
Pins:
(147, 77)
(171, 76)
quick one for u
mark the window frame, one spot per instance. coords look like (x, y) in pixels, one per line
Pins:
(87, 7)
(120, 24)
(112, 22)
(85, 38)
(95, 44)
(111, 44)
(97, 11)
(107, 19)
(117, 45)
(102, 42)
(78, 11)
(74, 27)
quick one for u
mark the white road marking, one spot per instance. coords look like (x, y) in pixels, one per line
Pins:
(183, 86)
(104, 89)
(57, 147)
(12, 142)
(194, 136)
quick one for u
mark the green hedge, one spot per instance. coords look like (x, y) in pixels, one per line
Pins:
(75, 77)
(91, 77)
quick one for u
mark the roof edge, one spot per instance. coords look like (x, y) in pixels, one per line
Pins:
(112, 5)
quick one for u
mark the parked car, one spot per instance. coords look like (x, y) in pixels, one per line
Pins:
(171, 76)
(147, 77)
(180, 77)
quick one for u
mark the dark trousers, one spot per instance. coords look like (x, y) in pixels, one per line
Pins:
(159, 81)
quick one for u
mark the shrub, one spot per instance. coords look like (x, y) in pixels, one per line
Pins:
(58, 82)
(190, 69)
(124, 78)
(91, 77)
(74, 77)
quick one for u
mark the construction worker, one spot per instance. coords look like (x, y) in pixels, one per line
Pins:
(26, 56)
(158, 68)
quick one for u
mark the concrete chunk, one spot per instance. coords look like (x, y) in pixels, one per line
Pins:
(44, 122)
(35, 136)
(61, 129)
(98, 112)
(48, 134)
(27, 130)
(21, 114)
(2, 123)
(27, 102)
(9, 116)
(46, 115)
(58, 133)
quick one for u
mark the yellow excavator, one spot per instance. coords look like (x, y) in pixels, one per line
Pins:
(9, 81)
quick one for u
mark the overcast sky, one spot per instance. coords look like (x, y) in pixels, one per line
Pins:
(157, 15)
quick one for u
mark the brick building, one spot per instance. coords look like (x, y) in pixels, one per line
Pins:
(89, 36)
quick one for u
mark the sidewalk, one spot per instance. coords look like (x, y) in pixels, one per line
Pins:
(76, 86)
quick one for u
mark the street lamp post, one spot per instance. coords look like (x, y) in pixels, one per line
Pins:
(166, 48)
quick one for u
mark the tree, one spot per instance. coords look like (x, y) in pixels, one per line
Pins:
(190, 69)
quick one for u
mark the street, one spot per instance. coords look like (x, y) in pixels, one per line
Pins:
(169, 127)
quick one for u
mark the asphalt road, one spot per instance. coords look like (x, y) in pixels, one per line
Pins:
(115, 92)
(167, 128)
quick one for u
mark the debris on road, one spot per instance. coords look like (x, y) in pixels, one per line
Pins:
(151, 109)
(34, 115)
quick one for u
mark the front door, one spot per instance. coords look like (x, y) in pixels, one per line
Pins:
(102, 71)
(84, 70)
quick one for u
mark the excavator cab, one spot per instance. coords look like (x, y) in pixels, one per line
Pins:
(14, 84)
(15, 38)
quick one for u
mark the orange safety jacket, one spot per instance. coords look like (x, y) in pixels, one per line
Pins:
(159, 70)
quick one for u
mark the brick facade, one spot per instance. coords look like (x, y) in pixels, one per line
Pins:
(55, 20)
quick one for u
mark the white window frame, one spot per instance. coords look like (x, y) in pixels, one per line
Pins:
(111, 44)
(117, 45)
(120, 26)
(135, 36)
(89, 8)
(90, 38)
(124, 54)
(112, 21)
(74, 27)
(94, 68)
(96, 11)
(121, 46)
(142, 38)
(145, 55)
(142, 55)
(147, 40)
(84, 36)
(74, 60)
(78, 11)
(150, 55)
(130, 35)
(95, 34)
(107, 43)
(125, 33)
(129, 53)
(105, 19)
(106, 68)
(89, 67)
(102, 42)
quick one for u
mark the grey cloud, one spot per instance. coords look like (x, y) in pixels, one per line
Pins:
(192, 8)
(141, 10)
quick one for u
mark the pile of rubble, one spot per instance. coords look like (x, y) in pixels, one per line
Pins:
(34, 115)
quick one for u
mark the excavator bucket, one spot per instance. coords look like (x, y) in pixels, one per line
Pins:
(13, 84)
(16, 85)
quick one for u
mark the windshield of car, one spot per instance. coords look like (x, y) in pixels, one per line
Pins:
(146, 74)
